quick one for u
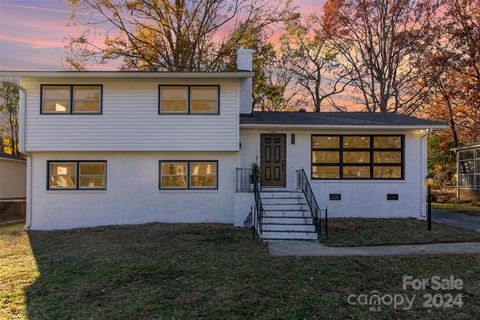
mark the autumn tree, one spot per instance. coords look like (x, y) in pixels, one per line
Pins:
(377, 41)
(9, 97)
(180, 35)
(312, 60)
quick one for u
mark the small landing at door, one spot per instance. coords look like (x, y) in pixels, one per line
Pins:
(273, 159)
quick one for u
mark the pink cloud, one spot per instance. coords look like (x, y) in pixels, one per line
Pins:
(33, 42)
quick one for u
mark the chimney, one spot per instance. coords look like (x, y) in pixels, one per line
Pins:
(245, 63)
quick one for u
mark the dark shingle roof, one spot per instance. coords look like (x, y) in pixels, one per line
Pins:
(335, 119)
(9, 156)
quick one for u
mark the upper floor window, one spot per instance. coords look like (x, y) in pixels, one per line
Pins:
(195, 99)
(357, 157)
(71, 99)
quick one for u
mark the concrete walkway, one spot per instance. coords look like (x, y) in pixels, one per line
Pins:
(456, 219)
(293, 248)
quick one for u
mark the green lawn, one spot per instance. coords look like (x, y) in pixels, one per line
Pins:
(374, 232)
(467, 208)
(161, 271)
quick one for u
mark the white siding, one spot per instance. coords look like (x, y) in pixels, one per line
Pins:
(132, 194)
(130, 120)
(12, 178)
(360, 198)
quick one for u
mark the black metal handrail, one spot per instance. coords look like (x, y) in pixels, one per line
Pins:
(244, 180)
(258, 210)
(315, 211)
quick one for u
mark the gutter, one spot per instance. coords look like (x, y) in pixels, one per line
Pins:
(344, 127)
(126, 74)
(22, 142)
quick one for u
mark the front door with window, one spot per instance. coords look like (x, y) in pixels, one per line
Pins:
(273, 157)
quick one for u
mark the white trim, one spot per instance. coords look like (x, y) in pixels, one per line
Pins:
(124, 74)
(343, 127)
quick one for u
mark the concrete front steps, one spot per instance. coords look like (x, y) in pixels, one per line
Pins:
(286, 217)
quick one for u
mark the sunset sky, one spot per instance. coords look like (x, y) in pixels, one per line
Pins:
(32, 33)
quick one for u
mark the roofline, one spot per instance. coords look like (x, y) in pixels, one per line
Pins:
(471, 146)
(310, 126)
(125, 74)
(2, 157)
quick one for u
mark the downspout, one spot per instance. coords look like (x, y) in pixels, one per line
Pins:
(22, 138)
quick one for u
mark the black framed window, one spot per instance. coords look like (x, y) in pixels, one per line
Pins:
(190, 174)
(358, 157)
(189, 99)
(77, 175)
(71, 99)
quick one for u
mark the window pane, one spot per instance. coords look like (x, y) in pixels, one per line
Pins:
(356, 172)
(86, 93)
(200, 168)
(387, 156)
(326, 172)
(387, 172)
(86, 106)
(174, 175)
(466, 180)
(204, 99)
(86, 99)
(465, 154)
(356, 156)
(67, 168)
(174, 99)
(174, 168)
(326, 156)
(56, 93)
(466, 166)
(63, 175)
(478, 154)
(204, 106)
(93, 168)
(203, 174)
(204, 181)
(60, 182)
(326, 142)
(92, 182)
(356, 142)
(56, 99)
(204, 93)
(387, 142)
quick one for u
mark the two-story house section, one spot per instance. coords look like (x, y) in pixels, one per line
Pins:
(114, 147)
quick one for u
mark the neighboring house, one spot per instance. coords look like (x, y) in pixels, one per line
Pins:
(13, 171)
(134, 147)
(468, 172)
(13, 179)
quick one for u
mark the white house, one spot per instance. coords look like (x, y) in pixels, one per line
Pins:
(134, 147)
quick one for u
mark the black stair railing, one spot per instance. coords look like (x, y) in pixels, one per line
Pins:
(315, 211)
(258, 209)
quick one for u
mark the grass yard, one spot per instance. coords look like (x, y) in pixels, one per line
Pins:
(467, 208)
(374, 232)
(159, 271)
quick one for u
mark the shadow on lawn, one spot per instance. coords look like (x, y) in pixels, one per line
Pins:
(135, 272)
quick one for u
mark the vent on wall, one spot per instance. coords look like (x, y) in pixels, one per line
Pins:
(292, 138)
(335, 196)
(392, 196)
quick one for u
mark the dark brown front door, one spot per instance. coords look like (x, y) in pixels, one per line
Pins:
(273, 157)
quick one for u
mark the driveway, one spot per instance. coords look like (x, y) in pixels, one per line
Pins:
(456, 219)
